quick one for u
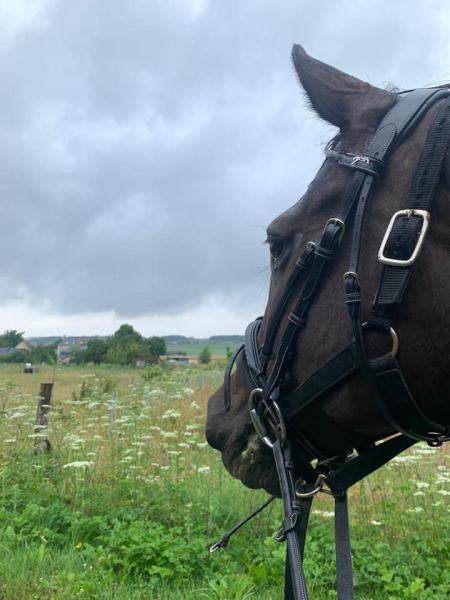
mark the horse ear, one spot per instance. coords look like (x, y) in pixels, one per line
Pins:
(337, 97)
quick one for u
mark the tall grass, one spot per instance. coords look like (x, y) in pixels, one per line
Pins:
(131, 495)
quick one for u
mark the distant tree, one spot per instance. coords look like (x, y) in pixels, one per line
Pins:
(228, 352)
(205, 356)
(42, 354)
(10, 338)
(127, 333)
(125, 346)
(38, 355)
(155, 347)
(95, 352)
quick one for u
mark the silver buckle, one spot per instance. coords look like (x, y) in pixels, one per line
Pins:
(276, 421)
(340, 223)
(408, 212)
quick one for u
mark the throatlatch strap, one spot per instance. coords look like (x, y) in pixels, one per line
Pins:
(330, 374)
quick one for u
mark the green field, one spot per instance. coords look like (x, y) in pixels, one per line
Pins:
(127, 502)
(193, 348)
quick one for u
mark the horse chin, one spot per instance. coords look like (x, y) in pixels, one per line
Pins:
(253, 466)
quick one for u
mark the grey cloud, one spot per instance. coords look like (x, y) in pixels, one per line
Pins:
(145, 146)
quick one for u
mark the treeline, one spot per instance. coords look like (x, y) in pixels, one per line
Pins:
(124, 347)
(35, 355)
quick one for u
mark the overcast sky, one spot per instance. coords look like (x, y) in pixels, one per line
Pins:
(146, 145)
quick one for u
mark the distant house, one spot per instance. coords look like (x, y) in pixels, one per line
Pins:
(177, 359)
(23, 345)
(67, 348)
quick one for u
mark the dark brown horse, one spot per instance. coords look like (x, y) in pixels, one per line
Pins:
(347, 417)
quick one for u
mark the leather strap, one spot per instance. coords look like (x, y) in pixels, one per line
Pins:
(344, 574)
(403, 237)
(290, 522)
(330, 374)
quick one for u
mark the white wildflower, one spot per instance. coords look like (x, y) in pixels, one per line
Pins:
(171, 414)
(16, 415)
(78, 464)
(204, 469)
(326, 514)
(442, 478)
(377, 523)
(422, 484)
(168, 434)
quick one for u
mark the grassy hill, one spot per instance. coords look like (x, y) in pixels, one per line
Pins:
(192, 346)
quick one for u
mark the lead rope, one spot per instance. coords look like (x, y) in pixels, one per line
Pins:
(296, 510)
(292, 512)
(224, 540)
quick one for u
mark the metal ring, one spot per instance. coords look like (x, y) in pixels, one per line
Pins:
(280, 424)
(394, 337)
(251, 398)
(320, 482)
(259, 423)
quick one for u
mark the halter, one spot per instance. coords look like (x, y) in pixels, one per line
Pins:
(270, 406)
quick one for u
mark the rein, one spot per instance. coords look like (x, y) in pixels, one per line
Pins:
(270, 406)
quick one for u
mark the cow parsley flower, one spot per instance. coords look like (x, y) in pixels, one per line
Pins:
(171, 414)
(78, 464)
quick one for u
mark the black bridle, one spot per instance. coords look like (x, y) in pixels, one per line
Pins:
(264, 371)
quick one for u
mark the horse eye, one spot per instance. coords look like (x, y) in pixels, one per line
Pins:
(276, 248)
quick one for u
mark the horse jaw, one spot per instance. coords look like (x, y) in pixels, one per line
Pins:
(243, 454)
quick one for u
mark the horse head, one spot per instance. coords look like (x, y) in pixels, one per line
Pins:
(345, 416)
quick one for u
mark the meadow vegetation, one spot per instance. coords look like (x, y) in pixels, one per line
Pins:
(131, 496)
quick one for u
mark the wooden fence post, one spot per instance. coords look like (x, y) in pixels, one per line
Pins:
(41, 441)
